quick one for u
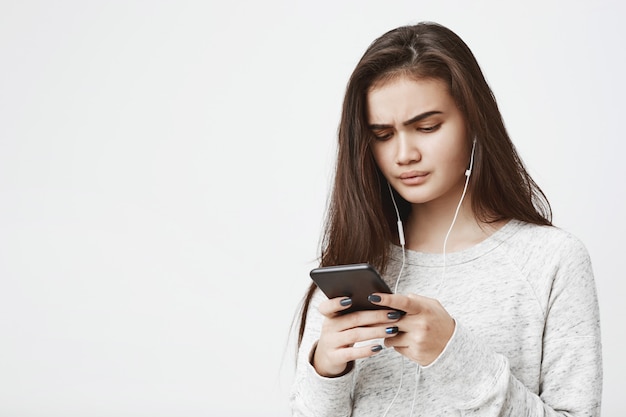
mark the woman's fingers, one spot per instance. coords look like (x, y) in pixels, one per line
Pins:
(333, 306)
(335, 350)
(410, 304)
(333, 363)
(342, 336)
(425, 329)
(355, 335)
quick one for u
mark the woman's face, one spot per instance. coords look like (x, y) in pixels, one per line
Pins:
(420, 140)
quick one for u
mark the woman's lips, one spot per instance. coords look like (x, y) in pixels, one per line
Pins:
(413, 177)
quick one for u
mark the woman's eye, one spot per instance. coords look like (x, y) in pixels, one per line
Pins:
(382, 136)
(428, 129)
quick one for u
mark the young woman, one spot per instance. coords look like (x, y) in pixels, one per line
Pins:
(494, 311)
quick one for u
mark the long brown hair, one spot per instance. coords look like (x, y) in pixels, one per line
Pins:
(361, 221)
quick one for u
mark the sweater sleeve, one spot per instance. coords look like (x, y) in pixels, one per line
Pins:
(480, 382)
(313, 395)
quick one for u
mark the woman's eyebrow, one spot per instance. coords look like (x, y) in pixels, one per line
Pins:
(412, 120)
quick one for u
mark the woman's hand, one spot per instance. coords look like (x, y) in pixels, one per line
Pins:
(425, 329)
(335, 349)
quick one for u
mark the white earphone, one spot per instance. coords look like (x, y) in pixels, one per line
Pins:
(468, 171)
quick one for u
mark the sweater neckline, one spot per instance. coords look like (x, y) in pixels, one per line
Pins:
(462, 256)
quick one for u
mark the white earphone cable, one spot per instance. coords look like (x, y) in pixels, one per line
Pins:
(395, 290)
(468, 172)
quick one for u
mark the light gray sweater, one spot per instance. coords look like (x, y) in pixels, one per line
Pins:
(526, 343)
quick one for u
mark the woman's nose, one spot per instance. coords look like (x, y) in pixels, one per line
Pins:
(407, 151)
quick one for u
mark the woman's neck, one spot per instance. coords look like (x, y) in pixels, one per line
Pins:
(428, 225)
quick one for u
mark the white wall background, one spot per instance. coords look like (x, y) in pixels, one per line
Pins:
(164, 167)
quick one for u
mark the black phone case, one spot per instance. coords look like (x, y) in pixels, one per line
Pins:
(356, 281)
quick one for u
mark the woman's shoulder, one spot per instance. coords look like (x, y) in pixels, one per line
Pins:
(542, 245)
(535, 235)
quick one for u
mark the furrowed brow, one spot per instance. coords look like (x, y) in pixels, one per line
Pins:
(421, 116)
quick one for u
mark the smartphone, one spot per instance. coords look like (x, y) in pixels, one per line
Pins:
(356, 281)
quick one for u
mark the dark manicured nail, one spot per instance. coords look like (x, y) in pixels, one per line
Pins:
(391, 330)
(346, 302)
(374, 298)
(394, 315)
(377, 348)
